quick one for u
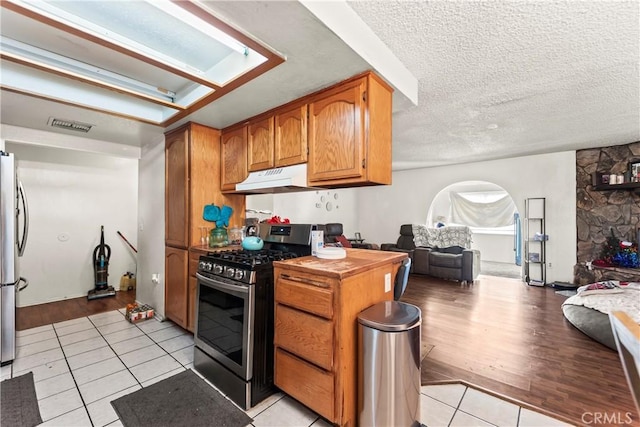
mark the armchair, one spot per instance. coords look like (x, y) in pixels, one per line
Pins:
(403, 244)
(452, 263)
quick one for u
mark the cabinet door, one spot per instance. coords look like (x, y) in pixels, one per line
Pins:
(176, 189)
(233, 158)
(260, 145)
(175, 287)
(336, 135)
(291, 136)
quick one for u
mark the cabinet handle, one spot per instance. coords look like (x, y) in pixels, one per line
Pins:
(305, 281)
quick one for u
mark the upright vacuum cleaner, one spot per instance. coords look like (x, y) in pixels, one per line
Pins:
(101, 255)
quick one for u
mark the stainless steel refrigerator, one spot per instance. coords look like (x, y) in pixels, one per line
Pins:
(14, 226)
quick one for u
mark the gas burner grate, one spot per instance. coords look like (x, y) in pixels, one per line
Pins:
(252, 258)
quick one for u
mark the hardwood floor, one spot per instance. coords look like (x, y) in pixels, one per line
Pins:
(53, 312)
(497, 334)
(512, 340)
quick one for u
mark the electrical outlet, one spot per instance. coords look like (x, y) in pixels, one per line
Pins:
(387, 282)
(550, 265)
(155, 278)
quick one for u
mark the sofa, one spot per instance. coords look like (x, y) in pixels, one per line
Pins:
(454, 262)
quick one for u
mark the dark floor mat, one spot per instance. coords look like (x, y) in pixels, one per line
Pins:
(19, 403)
(184, 399)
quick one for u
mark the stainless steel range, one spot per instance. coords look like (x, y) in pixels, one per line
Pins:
(234, 327)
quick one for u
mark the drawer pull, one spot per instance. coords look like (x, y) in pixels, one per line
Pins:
(305, 281)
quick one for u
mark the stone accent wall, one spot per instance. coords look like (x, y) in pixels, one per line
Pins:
(598, 212)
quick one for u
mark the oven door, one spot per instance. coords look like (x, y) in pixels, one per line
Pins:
(224, 323)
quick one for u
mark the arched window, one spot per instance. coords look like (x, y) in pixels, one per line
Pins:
(483, 206)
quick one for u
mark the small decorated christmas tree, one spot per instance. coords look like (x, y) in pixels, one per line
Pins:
(616, 253)
(610, 248)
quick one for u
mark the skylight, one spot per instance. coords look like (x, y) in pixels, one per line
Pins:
(154, 60)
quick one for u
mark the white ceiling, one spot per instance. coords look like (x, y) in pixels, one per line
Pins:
(495, 79)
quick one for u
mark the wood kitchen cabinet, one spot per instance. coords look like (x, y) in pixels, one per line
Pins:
(279, 139)
(176, 291)
(180, 298)
(317, 302)
(176, 189)
(260, 144)
(192, 177)
(290, 143)
(233, 157)
(350, 134)
(343, 133)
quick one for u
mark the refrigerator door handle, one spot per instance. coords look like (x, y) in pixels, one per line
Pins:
(26, 283)
(25, 209)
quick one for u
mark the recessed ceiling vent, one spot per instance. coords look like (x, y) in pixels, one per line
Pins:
(69, 125)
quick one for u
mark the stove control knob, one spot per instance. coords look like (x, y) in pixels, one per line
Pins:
(217, 269)
(229, 272)
(201, 265)
(208, 266)
(239, 274)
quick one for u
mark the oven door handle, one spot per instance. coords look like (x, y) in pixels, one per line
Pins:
(242, 289)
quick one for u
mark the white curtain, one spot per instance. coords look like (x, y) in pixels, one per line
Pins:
(474, 214)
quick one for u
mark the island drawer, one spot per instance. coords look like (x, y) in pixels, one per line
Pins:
(306, 335)
(306, 383)
(306, 292)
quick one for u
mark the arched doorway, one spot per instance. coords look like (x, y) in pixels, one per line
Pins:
(492, 215)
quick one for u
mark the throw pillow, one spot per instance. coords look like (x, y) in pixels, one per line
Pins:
(343, 241)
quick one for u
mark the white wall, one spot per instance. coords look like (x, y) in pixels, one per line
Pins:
(310, 207)
(383, 209)
(71, 194)
(151, 226)
(495, 247)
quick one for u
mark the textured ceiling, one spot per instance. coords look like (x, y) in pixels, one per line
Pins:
(496, 79)
(501, 79)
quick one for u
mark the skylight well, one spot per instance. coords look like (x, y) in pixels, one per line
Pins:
(163, 59)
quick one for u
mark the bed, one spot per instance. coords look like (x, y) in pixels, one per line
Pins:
(589, 309)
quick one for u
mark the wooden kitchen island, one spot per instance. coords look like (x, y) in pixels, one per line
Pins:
(317, 302)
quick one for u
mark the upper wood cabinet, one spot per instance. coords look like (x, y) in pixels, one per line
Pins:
(291, 136)
(233, 158)
(279, 139)
(176, 189)
(260, 144)
(343, 133)
(350, 134)
(192, 174)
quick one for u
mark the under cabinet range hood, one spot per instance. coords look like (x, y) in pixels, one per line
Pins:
(278, 180)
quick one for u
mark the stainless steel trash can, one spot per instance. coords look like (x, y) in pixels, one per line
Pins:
(389, 365)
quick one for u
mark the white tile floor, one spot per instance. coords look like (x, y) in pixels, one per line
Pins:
(81, 365)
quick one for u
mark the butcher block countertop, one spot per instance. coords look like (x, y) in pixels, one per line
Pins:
(356, 261)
